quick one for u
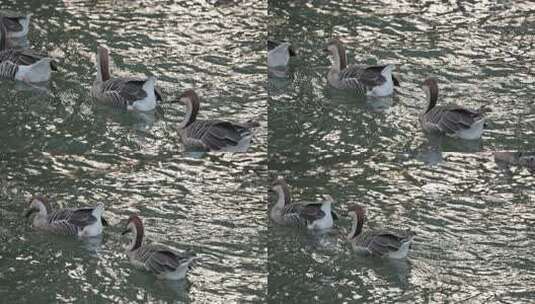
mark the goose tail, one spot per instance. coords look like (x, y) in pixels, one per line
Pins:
(38, 72)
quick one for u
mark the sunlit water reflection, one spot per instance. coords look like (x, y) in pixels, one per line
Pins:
(56, 142)
(472, 217)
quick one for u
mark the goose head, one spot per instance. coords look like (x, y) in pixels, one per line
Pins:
(430, 88)
(192, 102)
(335, 48)
(36, 205)
(134, 225)
(283, 192)
(358, 214)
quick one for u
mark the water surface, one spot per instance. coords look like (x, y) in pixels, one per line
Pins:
(472, 218)
(56, 142)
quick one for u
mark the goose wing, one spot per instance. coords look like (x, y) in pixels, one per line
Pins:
(451, 118)
(80, 217)
(24, 57)
(160, 259)
(382, 242)
(123, 91)
(307, 211)
(217, 134)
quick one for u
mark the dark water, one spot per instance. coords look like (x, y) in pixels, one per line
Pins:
(473, 219)
(58, 143)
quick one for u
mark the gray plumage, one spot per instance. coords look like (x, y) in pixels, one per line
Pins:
(212, 135)
(392, 243)
(69, 221)
(383, 242)
(12, 59)
(310, 214)
(363, 79)
(301, 213)
(161, 260)
(120, 92)
(450, 119)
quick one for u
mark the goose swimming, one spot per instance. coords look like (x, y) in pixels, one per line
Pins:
(314, 215)
(279, 53)
(127, 93)
(80, 222)
(17, 25)
(390, 243)
(212, 135)
(374, 81)
(161, 260)
(22, 64)
(523, 159)
(450, 119)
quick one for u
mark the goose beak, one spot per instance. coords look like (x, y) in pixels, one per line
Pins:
(325, 50)
(126, 231)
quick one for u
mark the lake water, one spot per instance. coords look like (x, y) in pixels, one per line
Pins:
(473, 219)
(56, 142)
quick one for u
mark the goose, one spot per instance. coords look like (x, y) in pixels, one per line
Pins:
(376, 81)
(81, 222)
(314, 215)
(17, 25)
(161, 260)
(394, 244)
(524, 159)
(22, 64)
(279, 54)
(126, 93)
(212, 135)
(450, 119)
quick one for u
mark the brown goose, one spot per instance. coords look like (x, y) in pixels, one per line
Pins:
(450, 119)
(81, 222)
(369, 80)
(17, 24)
(390, 243)
(314, 215)
(212, 135)
(161, 260)
(22, 64)
(127, 93)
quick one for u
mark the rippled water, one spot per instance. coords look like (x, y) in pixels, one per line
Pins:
(481, 55)
(473, 222)
(473, 218)
(56, 142)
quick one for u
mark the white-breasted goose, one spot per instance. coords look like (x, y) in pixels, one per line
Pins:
(126, 93)
(80, 222)
(316, 215)
(22, 64)
(367, 80)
